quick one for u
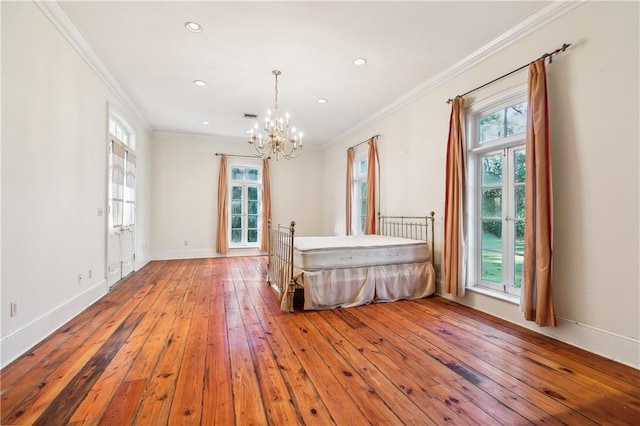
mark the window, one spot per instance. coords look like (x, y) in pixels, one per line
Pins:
(496, 193)
(122, 171)
(359, 195)
(245, 187)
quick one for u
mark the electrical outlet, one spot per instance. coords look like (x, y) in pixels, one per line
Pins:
(90, 274)
(186, 243)
(14, 308)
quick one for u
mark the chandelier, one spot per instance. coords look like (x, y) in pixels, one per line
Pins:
(280, 137)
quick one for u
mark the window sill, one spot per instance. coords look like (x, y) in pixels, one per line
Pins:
(495, 294)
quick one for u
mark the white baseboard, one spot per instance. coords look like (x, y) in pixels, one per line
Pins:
(19, 342)
(141, 263)
(200, 254)
(616, 347)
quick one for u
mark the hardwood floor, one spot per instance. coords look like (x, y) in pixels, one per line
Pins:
(203, 342)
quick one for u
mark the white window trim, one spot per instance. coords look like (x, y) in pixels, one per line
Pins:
(475, 150)
(244, 162)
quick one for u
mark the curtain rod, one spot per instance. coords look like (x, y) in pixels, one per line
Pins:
(358, 144)
(546, 55)
(238, 155)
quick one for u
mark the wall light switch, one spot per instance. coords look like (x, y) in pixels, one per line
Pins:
(100, 211)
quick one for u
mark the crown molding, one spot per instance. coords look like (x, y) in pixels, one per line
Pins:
(63, 23)
(532, 23)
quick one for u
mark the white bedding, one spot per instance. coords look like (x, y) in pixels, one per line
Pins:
(357, 270)
(319, 253)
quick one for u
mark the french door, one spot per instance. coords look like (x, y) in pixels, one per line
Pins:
(501, 213)
(121, 222)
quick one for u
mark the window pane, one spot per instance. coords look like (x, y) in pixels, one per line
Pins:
(517, 279)
(252, 193)
(520, 166)
(237, 173)
(252, 174)
(252, 221)
(117, 207)
(252, 206)
(236, 235)
(517, 119)
(363, 221)
(492, 202)
(519, 240)
(491, 127)
(492, 266)
(252, 236)
(492, 170)
(519, 194)
(236, 222)
(363, 167)
(236, 193)
(363, 190)
(492, 250)
(492, 235)
(236, 207)
(363, 207)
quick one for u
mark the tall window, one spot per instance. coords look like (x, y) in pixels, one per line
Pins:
(122, 167)
(245, 187)
(359, 195)
(497, 181)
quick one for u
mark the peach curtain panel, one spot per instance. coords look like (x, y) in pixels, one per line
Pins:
(537, 301)
(349, 189)
(266, 206)
(222, 244)
(455, 200)
(370, 218)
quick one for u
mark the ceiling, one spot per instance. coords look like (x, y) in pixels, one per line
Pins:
(146, 48)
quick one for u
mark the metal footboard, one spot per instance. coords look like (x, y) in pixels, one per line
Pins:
(280, 262)
(413, 227)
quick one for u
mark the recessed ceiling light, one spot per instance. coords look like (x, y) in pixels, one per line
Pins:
(359, 61)
(200, 83)
(194, 27)
(322, 101)
(206, 123)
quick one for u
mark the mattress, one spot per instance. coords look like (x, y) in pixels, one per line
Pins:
(317, 253)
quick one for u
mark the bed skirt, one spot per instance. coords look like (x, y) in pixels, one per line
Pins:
(348, 287)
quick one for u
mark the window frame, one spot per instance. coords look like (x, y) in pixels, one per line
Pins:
(507, 147)
(121, 133)
(245, 184)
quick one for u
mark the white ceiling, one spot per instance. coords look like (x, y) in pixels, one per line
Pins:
(147, 49)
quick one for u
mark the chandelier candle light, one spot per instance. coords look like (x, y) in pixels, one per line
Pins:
(280, 137)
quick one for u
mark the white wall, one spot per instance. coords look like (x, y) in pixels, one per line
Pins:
(594, 125)
(54, 179)
(185, 190)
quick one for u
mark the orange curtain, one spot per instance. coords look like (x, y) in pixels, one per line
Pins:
(222, 245)
(537, 301)
(370, 218)
(349, 188)
(455, 200)
(266, 206)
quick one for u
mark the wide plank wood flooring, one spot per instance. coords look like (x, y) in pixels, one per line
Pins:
(203, 342)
